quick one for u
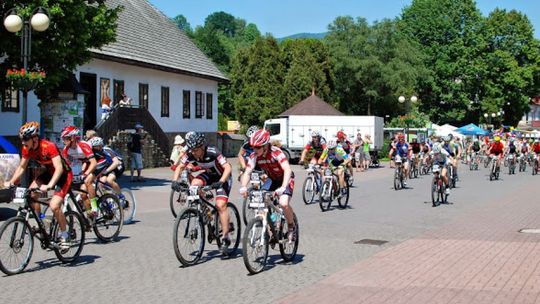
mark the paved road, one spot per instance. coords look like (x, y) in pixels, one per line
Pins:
(142, 267)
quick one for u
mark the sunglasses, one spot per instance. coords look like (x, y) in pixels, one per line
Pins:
(257, 148)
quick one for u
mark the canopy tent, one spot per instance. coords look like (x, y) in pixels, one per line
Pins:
(471, 129)
(445, 130)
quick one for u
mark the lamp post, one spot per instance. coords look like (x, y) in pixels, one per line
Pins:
(13, 23)
(402, 99)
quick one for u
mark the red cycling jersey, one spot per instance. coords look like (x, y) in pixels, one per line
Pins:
(536, 148)
(497, 147)
(270, 163)
(44, 154)
(78, 156)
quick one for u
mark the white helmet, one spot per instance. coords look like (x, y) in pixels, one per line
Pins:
(95, 141)
(332, 143)
(315, 133)
(251, 130)
(436, 149)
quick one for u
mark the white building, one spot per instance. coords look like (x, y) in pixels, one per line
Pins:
(531, 120)
(154, 63)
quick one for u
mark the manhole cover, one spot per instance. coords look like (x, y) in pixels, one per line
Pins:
(530, 230)
(371, 242)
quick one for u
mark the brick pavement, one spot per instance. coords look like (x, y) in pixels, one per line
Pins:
(478, 258)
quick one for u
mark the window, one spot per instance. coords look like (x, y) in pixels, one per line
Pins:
(186, 104)
(199, 110)
(143, 95)
(10, 100)
(118, 90)
(164, 101)
(273, 129)
(209, 105)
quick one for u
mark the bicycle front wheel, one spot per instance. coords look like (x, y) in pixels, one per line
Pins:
(16, 245)
(326, 196)
(308, 190)
(188, 237)
(110, 218)
(255, 246)
(75, 230)
(177, 201)
(129, 205)
(343, 199)
(247, 212)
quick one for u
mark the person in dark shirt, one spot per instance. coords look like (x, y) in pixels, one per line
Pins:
(135, 149)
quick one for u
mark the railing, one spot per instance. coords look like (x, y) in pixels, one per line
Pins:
(123, 118)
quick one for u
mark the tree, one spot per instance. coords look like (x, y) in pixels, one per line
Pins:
(76, 27)
(183, 24)
(221, 22)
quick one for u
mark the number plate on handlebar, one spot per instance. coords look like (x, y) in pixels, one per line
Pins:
(328, 172)
(193, 190)
(78, 179)
(19, 195)
(255, 177)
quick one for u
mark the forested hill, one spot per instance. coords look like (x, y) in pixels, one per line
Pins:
(304, 35)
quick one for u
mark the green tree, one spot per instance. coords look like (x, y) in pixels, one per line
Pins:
(183, 24)
(221, 22)
(76, 27)
(257, 75)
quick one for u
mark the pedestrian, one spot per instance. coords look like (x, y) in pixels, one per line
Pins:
(125, 101)
(367, 157)
(135, 149)
(177, 151)
(106, 107)
(358, 154)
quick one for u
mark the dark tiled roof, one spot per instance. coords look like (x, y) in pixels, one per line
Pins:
(145, 36)
(312, 105)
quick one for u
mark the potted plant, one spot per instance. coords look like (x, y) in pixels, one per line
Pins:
(24, 80)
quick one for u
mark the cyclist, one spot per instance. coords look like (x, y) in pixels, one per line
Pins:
(217, 172)
(57, 174)
(453, 149)
(245, 150)
(497, 149)
(274, 163)
(511, 149)
(415, 148)
(347, 146)
(337, 159)
(402, 149)
(108, 164)
(441, 157)
(473, 149)
(318, 143)
(83, 163)
(426, 148)
(535, 149)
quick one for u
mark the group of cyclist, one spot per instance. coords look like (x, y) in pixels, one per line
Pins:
(54, 169)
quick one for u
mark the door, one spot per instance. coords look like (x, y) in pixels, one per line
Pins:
(89, 83)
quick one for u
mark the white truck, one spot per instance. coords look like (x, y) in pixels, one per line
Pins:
(295, 131)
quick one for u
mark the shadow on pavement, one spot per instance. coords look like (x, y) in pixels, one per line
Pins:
(52, 262)
(148, 181)
(97, 241)
(276, 259)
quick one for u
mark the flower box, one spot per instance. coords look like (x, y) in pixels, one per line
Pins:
(24, 80)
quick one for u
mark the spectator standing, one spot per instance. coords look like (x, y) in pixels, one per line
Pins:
(125, 101)
(177, 151)
(358, 154)
(367, 157)
(106, 107)
(135, 149)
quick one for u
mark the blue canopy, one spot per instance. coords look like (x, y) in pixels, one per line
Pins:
(6, 146)
(471, 129)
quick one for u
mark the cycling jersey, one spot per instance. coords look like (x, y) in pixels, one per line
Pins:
(334, 158)
(415, 148)
(78, 156)
(247, 148)
(441, 159)
(103, 159)
(402, 149)
(449, 148)
(346, 145)
(476, 146)
(512, 148)
(497, 148)
(269, 162)
(319, 147)
(536, 148)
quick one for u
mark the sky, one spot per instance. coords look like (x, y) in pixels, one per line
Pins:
(283, 18)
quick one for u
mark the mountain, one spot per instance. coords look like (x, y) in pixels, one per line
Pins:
(304, 35)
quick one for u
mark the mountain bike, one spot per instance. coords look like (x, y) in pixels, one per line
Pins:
(438, 187)
(257, 183)
(413, 171)
(17, 234)
(128, 202)
(474, 161)
(331, 190)
(399, 177)
(522, 161)
(487, 161)
(198, 218)
(534, 166)
(267, 229)
(495, 168)
(312, 184)
(451, 175)
(177, 199)
(511, 163)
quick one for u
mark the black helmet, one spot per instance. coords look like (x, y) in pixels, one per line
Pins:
(195, 140)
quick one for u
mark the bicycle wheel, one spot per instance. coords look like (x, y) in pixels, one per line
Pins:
(415, 172)
(235, 228)
(16, 245)
(486, 162)
(288, 249)
(397, 180)
(188, 236)
(129, 205)
(255, 246)
(110, 218)
(326, 196)
(343, 199)
(247, 212)
(76, 234)
(177, 201)
(434, 193)
(308, 190)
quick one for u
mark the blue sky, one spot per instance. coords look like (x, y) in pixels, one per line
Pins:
(283, 18)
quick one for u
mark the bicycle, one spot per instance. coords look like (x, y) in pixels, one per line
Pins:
(191, 223)
(177, 199)
(522, 161)
(495, 168)
(268, 228)
(108, 221)
(312, 184)
(474, 161)
(511, 163)
(534, 166)
(438, 187)
(413, 171)
(257, 183)
(129, 203)
(399, 177)
(487, 161)
(331, 190)
(451, 175)
(18, 234)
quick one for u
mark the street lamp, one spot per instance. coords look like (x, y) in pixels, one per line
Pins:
(13, 23)
(402, 99)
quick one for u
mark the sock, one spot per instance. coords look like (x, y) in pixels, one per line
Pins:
(121, 196)
(93, 204)
(64, 234)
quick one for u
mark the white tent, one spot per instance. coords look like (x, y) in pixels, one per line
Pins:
(445, 130)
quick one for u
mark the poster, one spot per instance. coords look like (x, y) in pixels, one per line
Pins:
(105, 86)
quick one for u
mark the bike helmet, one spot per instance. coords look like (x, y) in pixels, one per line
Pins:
(497, 138)
(401, 136)
(195, 140)
(251, 130)
(70, 131)
(332, 143)
(29, 130)
(138, 126)
(446, 138)
(340, 135)
(315, 134)
(436, 149)
(95, 141)
(259, 138)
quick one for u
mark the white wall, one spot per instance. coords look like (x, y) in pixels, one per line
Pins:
(133, 75)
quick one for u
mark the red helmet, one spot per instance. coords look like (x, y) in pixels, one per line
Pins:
(340, 135)
(259, 138)
(70, 131)
(401, 136)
